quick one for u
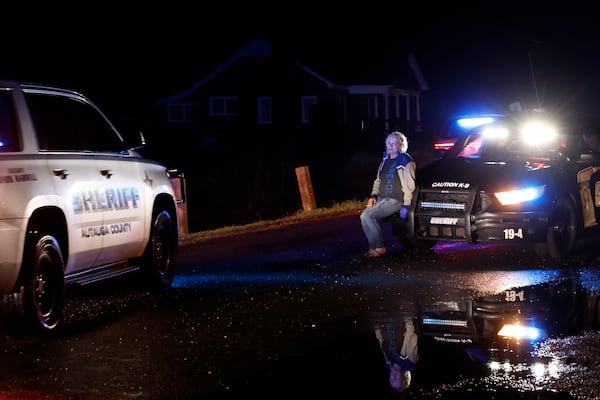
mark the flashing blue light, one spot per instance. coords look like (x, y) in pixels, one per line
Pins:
(472, 122)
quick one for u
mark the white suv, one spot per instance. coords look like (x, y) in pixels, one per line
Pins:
(77, 205)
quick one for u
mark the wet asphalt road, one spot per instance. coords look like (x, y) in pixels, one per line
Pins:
(288, 312)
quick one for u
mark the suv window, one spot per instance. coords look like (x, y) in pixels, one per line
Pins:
(8, 134)
(65, 123)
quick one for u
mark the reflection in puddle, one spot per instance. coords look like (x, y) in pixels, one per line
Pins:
(536, 338)
(497, 281)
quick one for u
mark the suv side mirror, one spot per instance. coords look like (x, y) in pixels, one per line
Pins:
(139, 144)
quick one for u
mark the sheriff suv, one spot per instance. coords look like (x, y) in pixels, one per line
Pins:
(522, 180)
(78, 205)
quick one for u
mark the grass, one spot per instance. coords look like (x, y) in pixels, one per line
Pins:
(302, 215)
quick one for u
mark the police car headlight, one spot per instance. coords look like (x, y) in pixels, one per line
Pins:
(538, 133)
(520, 195)
(516, 331)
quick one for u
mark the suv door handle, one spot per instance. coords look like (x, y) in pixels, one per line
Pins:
(107, 173)
(61, 172)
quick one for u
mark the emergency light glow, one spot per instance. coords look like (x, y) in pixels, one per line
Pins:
(536, 133)
(446, 145)
(520, 332)
(520, 195)
(473, 122)
(539, 369)
(495, 132)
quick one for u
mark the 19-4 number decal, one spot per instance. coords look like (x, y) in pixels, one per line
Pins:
(511, 233)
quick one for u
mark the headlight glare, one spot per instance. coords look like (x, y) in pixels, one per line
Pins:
(520, 195)
(516, 331)
(538, 133)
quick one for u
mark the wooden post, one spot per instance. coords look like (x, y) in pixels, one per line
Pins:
(306, 190)
(179, 186)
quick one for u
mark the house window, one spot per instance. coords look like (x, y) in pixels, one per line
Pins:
(308, 105)
(183, 112)
(224, 106)
(265, 110)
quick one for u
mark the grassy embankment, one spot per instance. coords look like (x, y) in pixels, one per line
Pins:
(338, 208)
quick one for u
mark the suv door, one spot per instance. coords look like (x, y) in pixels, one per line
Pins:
(124, 216)
(76, 177)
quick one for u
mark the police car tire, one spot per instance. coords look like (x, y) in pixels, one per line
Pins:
(562, 234)
(159, 258)
(44, 289)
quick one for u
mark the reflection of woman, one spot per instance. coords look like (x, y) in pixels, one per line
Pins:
(401, 351)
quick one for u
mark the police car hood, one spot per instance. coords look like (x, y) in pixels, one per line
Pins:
(465, 173)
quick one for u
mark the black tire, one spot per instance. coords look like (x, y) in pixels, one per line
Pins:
(43, 290)
(562, 232)
(160, 255)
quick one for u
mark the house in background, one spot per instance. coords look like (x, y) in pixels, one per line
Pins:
(241, 130)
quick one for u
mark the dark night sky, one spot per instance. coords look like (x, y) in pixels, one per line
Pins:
(139, 56)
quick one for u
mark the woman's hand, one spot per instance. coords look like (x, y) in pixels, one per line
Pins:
(404, 212)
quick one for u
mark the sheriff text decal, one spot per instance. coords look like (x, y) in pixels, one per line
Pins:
(109, 199)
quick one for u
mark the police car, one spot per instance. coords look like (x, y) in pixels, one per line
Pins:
(78, 205)
(517, 181)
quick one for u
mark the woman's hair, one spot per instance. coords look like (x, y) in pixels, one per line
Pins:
(402, 138)
(403, 383)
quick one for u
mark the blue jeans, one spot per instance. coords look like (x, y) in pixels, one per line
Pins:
(370, 216)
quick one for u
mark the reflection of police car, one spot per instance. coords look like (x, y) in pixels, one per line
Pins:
(525, 314)
(78, 205)
(503, 330)
(510, 182)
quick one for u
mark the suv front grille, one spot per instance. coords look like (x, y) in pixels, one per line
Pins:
(449, 321)
(444, 214)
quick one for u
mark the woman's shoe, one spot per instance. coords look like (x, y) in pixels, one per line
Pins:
(372, 253)
(381, 250)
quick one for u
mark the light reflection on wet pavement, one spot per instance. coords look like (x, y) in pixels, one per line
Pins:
(304, 327)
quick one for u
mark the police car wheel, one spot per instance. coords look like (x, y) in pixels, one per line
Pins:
(159, 258)
(562, 232)
(44, 289)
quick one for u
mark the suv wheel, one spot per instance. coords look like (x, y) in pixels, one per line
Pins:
(43, 290)
(159, 259)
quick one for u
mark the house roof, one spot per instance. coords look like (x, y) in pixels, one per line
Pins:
(356, 63)
(351, 71)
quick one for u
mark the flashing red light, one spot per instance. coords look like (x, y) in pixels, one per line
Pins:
(443, 145)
